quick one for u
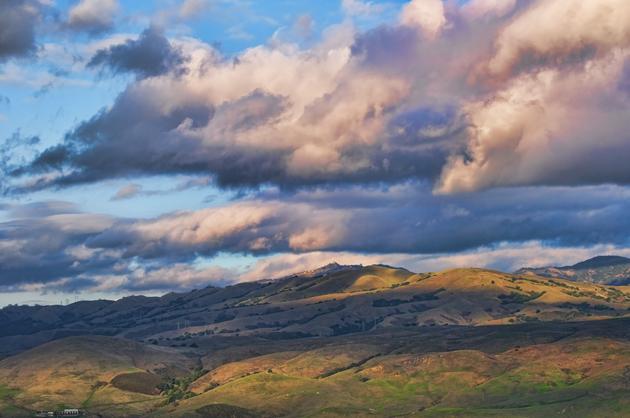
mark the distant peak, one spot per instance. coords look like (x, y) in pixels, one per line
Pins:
(329, 268)
(601, 261)
(388, 266)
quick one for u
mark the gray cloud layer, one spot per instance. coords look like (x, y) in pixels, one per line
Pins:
(150, 55)
(55, 243)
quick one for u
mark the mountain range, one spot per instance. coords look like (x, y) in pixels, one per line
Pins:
(608, 270)
(336, 341)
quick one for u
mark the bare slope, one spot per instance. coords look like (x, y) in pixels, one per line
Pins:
(79, 371)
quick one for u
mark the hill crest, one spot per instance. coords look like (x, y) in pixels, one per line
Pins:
(601, 261)
(338, 302)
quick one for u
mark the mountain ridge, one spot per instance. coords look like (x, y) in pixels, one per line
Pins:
(334, 301)
(601, 261)
(606, 270)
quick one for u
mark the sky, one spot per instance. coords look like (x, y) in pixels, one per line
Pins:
(158, 146)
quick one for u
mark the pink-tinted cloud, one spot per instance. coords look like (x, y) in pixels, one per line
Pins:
(93, 16)
(526, 93)
(555, 32)
(426, 15)
(505, 257)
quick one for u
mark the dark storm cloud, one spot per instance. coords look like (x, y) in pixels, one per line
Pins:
(52, 158)
(42, 243)
(135, 137)
(128, 139)
(150, 55)
(18, 19)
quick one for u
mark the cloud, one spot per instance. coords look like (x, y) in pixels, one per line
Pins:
(18, 20)
(176, 277)
(488, 9)
(127, 192)
(427, 15)
(54, 242)
(396, 220)
(133, 190)
(149, 55)
(15, 144)
(561, 103)
(248, 227)
(183, 11)
(565, 31)
(39, 209)
(191, 8)
(504, 257)
(361, 7)
(304, 26)
(36, 246)
(274, 115)
(93, 16)
(467, 97)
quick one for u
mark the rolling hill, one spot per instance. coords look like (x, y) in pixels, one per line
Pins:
(346, 300)
(337, 341)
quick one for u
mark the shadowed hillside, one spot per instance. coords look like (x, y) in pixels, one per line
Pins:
(344, 301)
